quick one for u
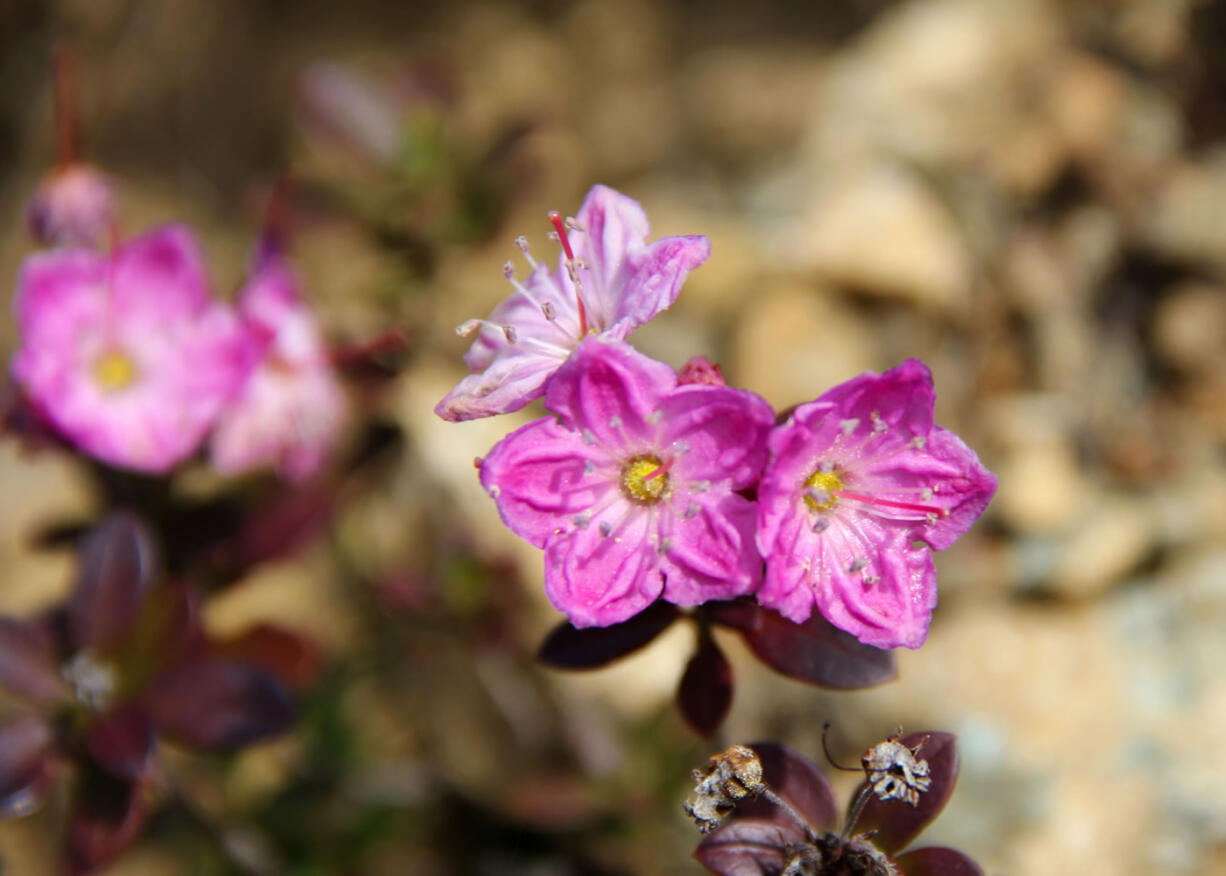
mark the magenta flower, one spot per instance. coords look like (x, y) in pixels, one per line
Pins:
(291, 409)
(127, 355)
(73, 206)
(631, 491)
(856, 479)
(608, 282)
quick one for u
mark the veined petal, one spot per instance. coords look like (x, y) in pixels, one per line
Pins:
(613, 226)
(613, 392)
(712, 554)
(161, 275)
(717, 432)
(542, 474)
(599, 579)
(508, 384)
(653, 277)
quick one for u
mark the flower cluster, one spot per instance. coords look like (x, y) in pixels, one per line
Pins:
(646, 484)
(127, 356)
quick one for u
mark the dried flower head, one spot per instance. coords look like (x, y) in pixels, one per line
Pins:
(895, 772)
(730, 776)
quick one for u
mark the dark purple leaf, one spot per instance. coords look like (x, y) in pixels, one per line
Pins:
(116, 574)
(705, 693)
(28, 665)
(592, 647)
(107, 815)
(815, 651)
(219, 705)
(938, 861)
(26, 749)
(897, 822)
(287, 656)
(747, 847)
(798, 781)
(123, 742)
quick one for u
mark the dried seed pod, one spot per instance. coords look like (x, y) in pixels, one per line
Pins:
(731, 775)
(895, 772)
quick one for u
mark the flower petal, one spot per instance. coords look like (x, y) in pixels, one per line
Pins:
(613, 392)
(654, 277)
(712, 554)
(123, 742)
(161, 275)
(509, 383)
(599, 580)
(544, 472)
(26, 745)
(722, 430)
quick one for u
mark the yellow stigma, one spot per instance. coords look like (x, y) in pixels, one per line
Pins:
(821, 489)
(644, 482)
(115, 371)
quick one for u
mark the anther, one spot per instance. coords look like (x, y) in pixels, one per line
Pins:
(857, 564)
(615, 422)
(655, 416)
(850, 425)
(692, 511)
(508, 270)
(700, 486)
(879, 425)
(821, 524)
(468, 327)
(666, 545)
(510, 333)
(588, 466)
(547, 309)
(581, 520)
(918, 442)
(589, 437)
(606, 528)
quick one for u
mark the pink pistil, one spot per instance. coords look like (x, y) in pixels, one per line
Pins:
(662, 470)
(556, 218)
(890, 503)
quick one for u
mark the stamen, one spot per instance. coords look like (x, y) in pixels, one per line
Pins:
(692, 511)
(510, 333)
(581, 520)
(588, 466)
(522, 243)
(615, 422)
(821, 524)
(606, 528)
(857, 564)
(848, 426)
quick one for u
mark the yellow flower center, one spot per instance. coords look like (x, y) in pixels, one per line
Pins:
(115, 371)
(821, 490)
(645, 480)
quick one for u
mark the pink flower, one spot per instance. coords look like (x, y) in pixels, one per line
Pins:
(631, 491)
(855, 480)
(608, 284)
(72, 206)
(127, 355)
(291, 410)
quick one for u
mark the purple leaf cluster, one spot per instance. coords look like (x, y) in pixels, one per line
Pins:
(123, 663)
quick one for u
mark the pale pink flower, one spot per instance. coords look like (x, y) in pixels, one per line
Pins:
(856, 481)
(631, 490)
(608, 282)
(74, 205)
(127, 355)
(290, 411)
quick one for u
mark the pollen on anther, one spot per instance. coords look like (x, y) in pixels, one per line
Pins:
(857, 564)
(547, 310)
(871, 579)
(588, 466)
(821, 524)
(692, 511)
(700, 486)
(581, 520)
(918, 442)
(850, 425)
(927, 494)
(589, 437)
(510, 333)
(606, 528)
(615, 422)
(666, 545)
(508, 270)
(879, 425)
(467, 327)
(681, 447)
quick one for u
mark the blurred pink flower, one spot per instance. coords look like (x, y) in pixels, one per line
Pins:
(127, 355)
(291, 409)
(72, 206)
(631, 490)
(855, 480)
(608, 284)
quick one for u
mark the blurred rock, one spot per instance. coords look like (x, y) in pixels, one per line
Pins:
(796, 342)
(1108, 543)
(1187, 220)
(879, 230)
(1189, 327)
